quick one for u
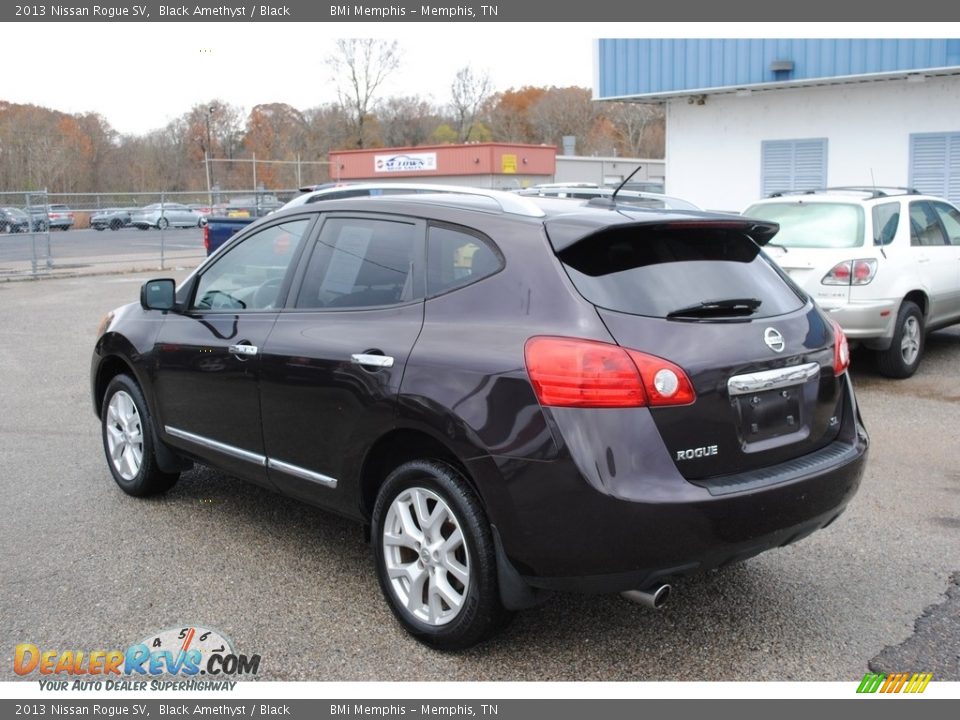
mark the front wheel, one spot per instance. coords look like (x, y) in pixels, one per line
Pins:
(129, 442)
(163, 223)
(902, 358)
(435, 557)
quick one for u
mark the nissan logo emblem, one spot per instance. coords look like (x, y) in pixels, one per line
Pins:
(773, 339)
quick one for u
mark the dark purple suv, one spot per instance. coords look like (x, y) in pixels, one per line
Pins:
(515, 396)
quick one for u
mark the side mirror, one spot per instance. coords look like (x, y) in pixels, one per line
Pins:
(158, 294)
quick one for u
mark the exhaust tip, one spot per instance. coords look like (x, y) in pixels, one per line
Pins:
(654, 597)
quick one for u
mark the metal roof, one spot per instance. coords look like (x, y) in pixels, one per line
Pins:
(654, 70)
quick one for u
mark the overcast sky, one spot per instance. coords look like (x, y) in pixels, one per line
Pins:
(140, 75)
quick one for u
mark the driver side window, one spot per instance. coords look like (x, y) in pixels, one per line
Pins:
(249, 276)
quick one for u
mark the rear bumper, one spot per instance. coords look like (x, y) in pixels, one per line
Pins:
(864, 320)
(562, 530)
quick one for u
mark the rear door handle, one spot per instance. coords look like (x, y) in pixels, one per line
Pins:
(378, 361)
(243, 350)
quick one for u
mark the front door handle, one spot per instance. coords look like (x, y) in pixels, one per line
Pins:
(243, 351)
(377, 361)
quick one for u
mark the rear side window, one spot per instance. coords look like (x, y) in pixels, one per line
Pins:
(813, 225)
(360, 262)
(950, 217)
(924, 226)
(658, 272)
(886, 219)
(456, 258)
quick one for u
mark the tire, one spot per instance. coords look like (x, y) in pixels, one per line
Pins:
(99, 228)
(116, 224)
(163, 223)
(129, 440)
(463, 603)
(902, 358)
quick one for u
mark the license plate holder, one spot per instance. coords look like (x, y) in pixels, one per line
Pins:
(770, 413)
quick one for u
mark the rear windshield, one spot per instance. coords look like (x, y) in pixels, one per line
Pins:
(671, 272)
(813, 225)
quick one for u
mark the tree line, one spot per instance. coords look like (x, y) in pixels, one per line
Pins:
(75, 153)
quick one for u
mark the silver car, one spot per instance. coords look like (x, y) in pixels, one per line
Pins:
(164, 215)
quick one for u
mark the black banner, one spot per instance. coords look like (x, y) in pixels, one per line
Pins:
(490, 11)
(470, 709)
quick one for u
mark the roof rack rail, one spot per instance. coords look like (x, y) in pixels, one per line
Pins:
(878, 191)
(873, 191)
(508, 202)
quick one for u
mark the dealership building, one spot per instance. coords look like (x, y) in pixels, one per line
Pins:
(501, 166)
(745, 118)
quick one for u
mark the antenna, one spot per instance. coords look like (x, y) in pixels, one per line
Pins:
(613, 197)
(611, 202)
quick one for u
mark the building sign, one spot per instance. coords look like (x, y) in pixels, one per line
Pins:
(407, 162)
(508, 164)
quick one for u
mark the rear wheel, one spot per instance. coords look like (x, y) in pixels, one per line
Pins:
(129, 442)
(902, 358)
(163, 223)
(116, 224)
(435, 558)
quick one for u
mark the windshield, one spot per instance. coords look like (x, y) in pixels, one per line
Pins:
(813, 225)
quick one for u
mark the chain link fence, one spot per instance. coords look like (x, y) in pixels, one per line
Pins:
(44, 234)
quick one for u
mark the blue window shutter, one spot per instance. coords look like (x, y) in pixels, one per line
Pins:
(793, 165)
(935, 164)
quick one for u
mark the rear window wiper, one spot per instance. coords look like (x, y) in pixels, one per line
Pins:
(732, 307)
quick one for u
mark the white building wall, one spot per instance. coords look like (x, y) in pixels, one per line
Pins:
(713, 149)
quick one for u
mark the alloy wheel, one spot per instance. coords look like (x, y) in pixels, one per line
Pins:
(124, 431)
(426, 556)
(910, 340)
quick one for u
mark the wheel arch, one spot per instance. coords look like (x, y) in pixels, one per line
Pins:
(397, 447)
(920, 299)
(109, 367)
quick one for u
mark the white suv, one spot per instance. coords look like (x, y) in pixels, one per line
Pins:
(884, 262)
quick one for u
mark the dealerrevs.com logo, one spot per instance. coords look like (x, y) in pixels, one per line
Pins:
(186, 652)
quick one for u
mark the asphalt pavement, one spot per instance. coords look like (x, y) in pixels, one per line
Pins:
(25, 256)
(87, 567)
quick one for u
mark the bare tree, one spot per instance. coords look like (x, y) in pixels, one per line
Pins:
(406, 121)
(563, 111)
(639, 128)
(360, 67)
(468, 92)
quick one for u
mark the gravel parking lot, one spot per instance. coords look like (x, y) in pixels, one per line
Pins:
(87, 567)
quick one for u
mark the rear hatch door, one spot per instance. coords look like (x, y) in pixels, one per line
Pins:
(701, 294)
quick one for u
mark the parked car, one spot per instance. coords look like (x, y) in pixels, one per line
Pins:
(515, 396)
(883, 262)
(14, 220)
(39, 218)
(114, 218)
(59, 217)
(164, 215)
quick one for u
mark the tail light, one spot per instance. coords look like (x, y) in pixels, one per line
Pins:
(851, 272)
(569, 372)
(841, 350)
(206, 238)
